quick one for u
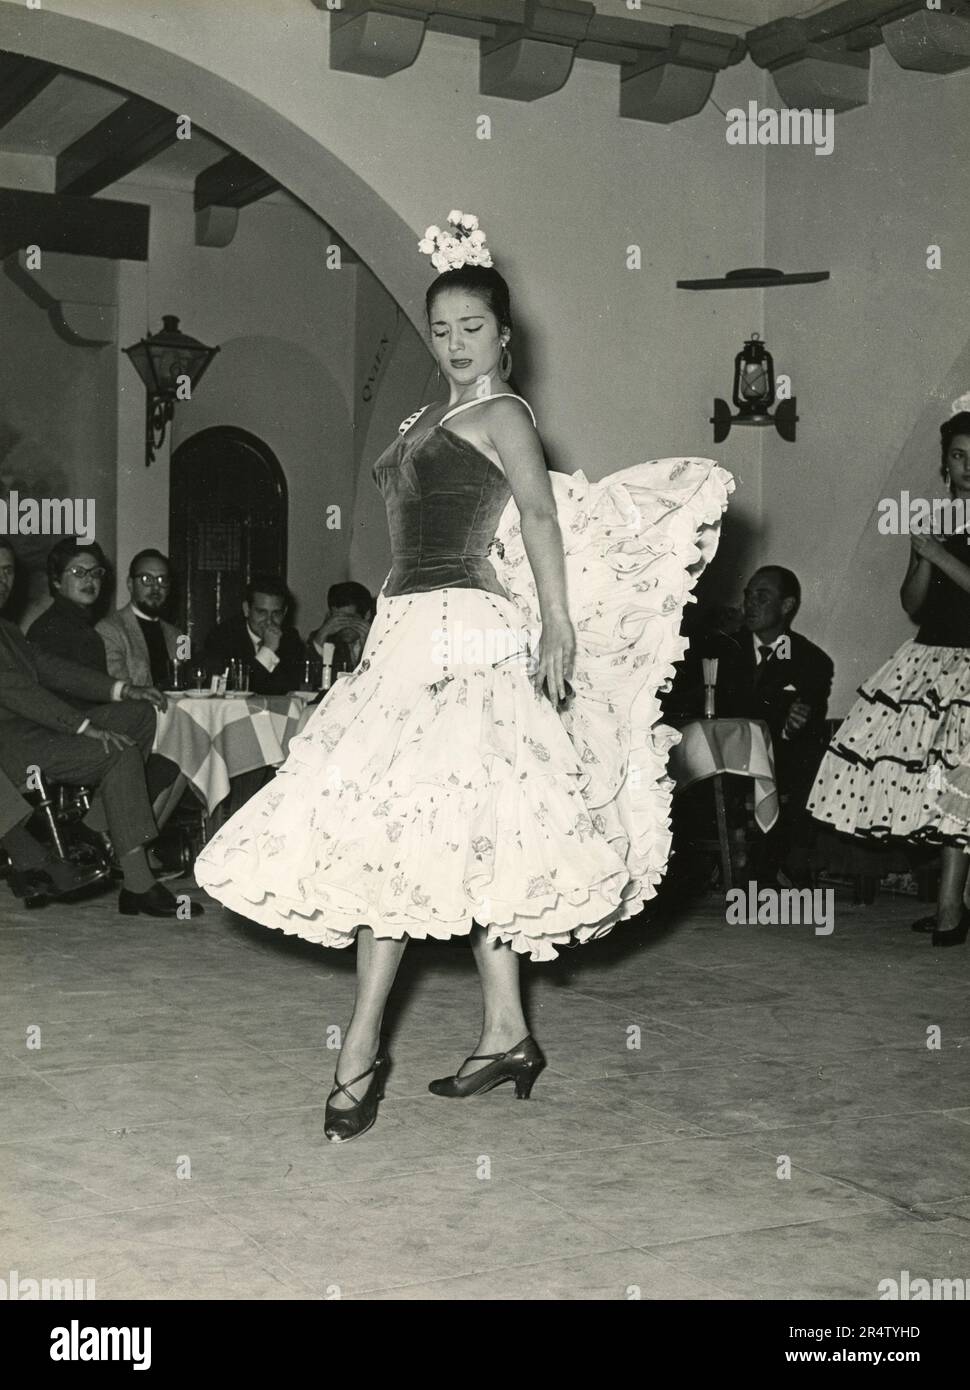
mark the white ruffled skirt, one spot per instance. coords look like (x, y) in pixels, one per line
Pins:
(432, 789)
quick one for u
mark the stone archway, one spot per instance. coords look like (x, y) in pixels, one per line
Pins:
(311, 172)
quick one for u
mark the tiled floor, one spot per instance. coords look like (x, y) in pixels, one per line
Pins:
(166, 1137)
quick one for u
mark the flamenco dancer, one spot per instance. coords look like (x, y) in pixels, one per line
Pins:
(887, 771)
(455, 784)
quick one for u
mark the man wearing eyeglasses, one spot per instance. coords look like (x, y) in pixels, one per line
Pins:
(138, 642)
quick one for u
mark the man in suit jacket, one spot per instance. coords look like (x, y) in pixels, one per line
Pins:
(275, 653)
(105, 746)
(139, 644)
(345, 625)
(789, 680)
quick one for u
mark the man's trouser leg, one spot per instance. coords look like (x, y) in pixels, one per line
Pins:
(121, 805)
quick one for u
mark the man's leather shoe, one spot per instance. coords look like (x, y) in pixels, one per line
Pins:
(57, 879)
(157, 902)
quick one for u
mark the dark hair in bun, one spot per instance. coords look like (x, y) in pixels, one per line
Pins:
(482, 280)
(957, 424)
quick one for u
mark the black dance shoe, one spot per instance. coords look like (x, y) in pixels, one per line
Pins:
(342, 1125)
(57, 879)
(157, 902)
(956, 936)
(521, 1064)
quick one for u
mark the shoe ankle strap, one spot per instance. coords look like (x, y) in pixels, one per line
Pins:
(345, 1085)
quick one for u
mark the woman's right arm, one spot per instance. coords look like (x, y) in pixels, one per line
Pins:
(916, 585)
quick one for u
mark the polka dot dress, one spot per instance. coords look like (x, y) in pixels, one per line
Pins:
(885, 772)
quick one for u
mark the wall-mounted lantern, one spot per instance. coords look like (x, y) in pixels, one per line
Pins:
(171, 364)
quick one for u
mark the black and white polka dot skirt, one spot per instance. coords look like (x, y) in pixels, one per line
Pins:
(885, 772)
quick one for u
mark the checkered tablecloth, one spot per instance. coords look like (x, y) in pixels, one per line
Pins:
(739, 746)
(213, 740)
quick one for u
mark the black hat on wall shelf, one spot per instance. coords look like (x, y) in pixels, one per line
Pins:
(755, 278)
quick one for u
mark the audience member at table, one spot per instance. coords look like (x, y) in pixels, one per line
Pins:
(36, 871)
(139, 643)
(788, 680)
(75, 577)
(75, 580)
(104, 746)
(259, 636)
(348, 619)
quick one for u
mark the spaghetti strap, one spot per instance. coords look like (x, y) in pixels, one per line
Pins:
(496, 396)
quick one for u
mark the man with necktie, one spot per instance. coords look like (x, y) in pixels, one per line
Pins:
(789, 683)
(346, 625)
(260, 636)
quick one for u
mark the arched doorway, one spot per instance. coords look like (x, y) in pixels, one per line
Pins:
(227, 522)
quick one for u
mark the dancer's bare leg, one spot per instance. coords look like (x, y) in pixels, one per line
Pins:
(167, 800)
(377, 963)
(504, 1022)
(954, 864)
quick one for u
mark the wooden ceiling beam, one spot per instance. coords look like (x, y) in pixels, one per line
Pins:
(233, 182)
(21, 79)
(127, 138)
(78, 226)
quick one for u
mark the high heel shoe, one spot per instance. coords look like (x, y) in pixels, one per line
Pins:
(342, 1125)
(956, 936)
(521, 1064)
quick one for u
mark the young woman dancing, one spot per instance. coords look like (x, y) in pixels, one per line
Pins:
(455, 784)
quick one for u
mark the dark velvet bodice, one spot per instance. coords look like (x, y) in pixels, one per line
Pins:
(945, 616)
(444, 499)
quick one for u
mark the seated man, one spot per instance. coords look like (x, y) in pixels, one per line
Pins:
(139, 644)
(788, 683)
(105, 747)
(36, 871)
(346, 625)
(274, 653)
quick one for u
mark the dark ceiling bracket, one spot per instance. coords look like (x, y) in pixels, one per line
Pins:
(822, 60)
(523, 62)
(527, 48)
(676, 82)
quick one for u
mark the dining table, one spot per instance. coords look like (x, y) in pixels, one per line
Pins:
(213, 738)
(715, 748)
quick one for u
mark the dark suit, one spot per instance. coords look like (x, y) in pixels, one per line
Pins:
(771, 688)
(39, 728)
(230, 641)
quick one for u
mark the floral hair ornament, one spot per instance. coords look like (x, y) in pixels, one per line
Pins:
(462, 243)
(960, 404)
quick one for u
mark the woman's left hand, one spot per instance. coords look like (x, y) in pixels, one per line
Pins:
(553, 658)
(927, 547)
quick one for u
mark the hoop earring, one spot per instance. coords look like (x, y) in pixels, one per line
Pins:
(505, 362)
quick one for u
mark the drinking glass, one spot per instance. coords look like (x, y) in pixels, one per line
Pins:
(239, 677)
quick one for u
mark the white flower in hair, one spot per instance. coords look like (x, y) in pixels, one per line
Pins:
(961, 403)
(463, 243)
